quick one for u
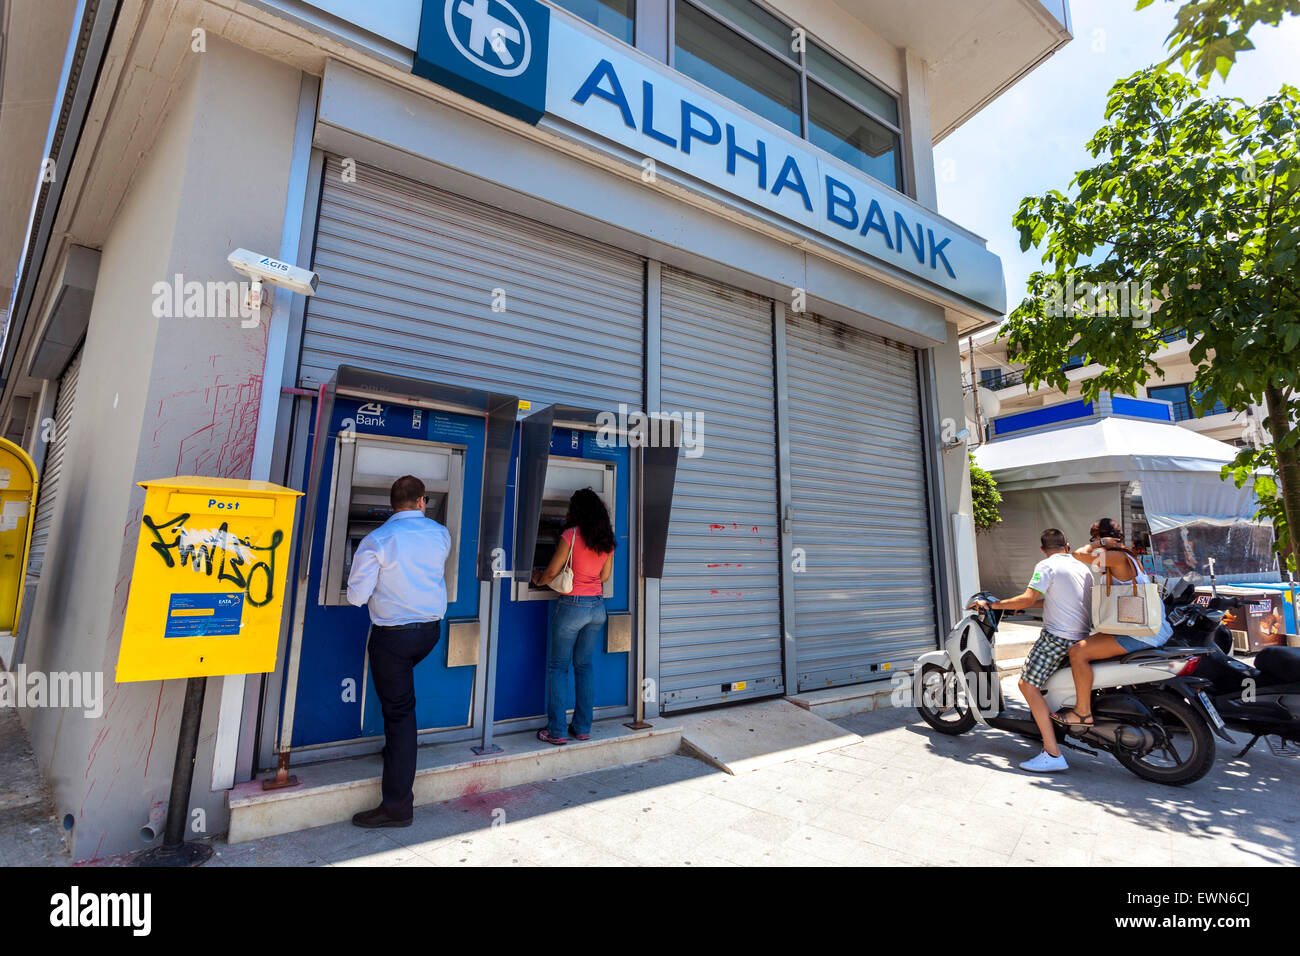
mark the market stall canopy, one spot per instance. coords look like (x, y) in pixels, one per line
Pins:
(1104, 449)
(1179, 469)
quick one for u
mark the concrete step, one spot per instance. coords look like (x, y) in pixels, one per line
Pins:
(332, 791)
(1015, 639)
(1011, 667)
(1011, 650)
(743, 738)
(832, 703)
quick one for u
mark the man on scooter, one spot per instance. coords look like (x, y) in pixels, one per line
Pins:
(1063, 591)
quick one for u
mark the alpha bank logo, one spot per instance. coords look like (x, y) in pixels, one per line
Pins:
(498, 41)
(493, 51)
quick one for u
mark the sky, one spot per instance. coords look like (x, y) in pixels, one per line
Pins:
(1033, 137)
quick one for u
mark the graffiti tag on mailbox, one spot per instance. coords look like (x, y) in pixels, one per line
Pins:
(207, 551)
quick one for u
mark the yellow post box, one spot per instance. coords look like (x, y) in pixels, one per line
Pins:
(17, 507)
(207, 590)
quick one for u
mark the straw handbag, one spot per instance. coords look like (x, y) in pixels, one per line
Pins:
(1126, 608)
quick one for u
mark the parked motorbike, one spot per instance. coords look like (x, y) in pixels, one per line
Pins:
(1262, 700)
(1197, 625)
(1149, 713)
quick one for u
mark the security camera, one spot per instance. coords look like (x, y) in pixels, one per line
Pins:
(265, 269)
(957, 439)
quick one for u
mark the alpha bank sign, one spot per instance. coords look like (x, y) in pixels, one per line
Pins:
(514, 56)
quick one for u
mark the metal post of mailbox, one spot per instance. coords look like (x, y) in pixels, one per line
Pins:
(174, 850)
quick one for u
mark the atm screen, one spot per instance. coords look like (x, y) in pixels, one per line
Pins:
(549, 529)
(365, 514)
(366, 468)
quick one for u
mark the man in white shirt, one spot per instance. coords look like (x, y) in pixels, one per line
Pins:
(397, 572)
(1062, 586)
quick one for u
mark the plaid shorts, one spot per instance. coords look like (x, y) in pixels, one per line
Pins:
(1045, 658)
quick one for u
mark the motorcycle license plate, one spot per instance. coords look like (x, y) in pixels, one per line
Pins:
(1209, 709)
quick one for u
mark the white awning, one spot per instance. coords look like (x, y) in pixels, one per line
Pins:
(1108, 449)
(1178, 468)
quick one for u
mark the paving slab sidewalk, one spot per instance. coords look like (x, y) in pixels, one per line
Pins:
(898, 794)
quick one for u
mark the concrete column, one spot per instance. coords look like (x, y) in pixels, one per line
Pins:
(918, 146)
(160, 393)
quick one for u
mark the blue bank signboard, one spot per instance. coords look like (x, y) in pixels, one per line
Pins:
(514, 56)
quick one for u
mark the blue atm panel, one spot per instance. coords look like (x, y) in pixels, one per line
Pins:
(577, 459)
(335, 699)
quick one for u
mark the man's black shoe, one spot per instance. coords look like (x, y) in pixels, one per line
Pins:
(378, 817)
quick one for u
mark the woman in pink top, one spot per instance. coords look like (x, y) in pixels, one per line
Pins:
(577, 618)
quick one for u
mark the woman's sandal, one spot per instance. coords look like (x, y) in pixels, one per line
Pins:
(1082, 721)
(546, 738)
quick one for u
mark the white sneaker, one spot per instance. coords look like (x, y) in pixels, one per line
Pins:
(1045, 763)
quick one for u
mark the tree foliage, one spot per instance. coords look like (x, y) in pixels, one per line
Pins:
(1208, 34)
(1197, 199)
(985, 497)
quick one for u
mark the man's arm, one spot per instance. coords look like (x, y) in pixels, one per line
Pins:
(365, 572)
(1028, 598)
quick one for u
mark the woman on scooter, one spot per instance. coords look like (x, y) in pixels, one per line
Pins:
(1105, 552)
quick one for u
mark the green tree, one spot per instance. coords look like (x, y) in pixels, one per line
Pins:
(1198, 198)
(985, 497)
(1208, 34)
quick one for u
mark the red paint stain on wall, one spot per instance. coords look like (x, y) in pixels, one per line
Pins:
(155, 729)
(223, 446)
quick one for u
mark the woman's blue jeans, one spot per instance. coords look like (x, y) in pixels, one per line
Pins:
(576, 624)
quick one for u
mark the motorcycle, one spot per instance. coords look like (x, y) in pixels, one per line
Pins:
(1149, 713)
(1195, 625)
(1262, 700)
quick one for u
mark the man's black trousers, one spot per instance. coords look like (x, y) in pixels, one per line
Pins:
(394, 652)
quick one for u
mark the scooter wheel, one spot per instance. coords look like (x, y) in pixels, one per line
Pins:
(1190, 754)
(939, 703)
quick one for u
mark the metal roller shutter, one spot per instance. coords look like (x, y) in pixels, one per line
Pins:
(858, 493)
(48, 477)
(720, 597)
(423, 283)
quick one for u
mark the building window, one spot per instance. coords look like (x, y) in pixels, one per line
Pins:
(615, 17)
(853, 136)
(1181, 397)
(745, 53)
(989, 375)
(745, 72)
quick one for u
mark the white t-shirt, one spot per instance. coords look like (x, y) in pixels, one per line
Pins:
(1066, 586)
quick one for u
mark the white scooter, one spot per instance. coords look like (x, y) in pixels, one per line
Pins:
(1156, 720)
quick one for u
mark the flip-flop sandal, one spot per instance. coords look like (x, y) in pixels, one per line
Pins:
(577, 736)
(1082, 721)
(546, 738)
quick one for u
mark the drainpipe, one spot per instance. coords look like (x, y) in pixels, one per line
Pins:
(87, 44)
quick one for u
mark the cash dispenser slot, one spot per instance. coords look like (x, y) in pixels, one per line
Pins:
(365, 467)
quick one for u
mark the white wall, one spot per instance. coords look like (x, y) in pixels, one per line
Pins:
(157, 398)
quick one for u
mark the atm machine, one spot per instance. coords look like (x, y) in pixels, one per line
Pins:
(369, 429)
(365, 468)
(555, 453)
